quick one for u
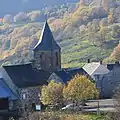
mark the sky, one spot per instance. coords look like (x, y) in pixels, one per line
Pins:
(15, 6)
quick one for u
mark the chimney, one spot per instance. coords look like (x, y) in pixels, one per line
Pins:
(88, 61)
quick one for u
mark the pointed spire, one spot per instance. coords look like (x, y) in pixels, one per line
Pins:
(46, 41)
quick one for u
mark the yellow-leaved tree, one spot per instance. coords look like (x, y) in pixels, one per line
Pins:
(52, 94)
(80, 89)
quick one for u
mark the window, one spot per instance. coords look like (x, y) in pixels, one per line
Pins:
(42, 56)
(24, 96)
(33, 106)
(57, 58)
(36, 107)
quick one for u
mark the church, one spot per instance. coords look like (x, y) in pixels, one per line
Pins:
(20, 84)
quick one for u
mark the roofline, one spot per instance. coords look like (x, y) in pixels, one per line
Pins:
(40, 36)
(16, 65)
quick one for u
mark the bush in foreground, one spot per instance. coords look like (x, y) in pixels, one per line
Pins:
(80, 89)
(64, 116)
(52, 93)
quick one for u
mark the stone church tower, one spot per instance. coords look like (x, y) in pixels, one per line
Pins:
(47, 53)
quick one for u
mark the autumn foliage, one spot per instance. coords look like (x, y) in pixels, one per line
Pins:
(116, 53)
(80, 88)
(52, 94)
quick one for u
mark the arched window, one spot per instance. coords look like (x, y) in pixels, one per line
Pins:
(57, 58)
(42, 56)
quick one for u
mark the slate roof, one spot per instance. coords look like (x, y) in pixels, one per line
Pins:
(46, 42)
(111, 66)
(95, 68)
(63, 75)
(26, 76)
(74, 71)
(5, 91)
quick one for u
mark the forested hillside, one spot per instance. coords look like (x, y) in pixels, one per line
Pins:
(83, 31)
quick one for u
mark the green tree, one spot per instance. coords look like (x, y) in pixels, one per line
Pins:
(52, 93)
(80, 89)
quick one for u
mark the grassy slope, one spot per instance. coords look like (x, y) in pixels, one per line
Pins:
(76, 51)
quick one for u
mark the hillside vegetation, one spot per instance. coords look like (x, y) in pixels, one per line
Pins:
(87, 31)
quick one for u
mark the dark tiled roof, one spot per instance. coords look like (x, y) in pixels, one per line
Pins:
(5, 91)
(63, 75)
(46, 41)
(26, 76)
(74, 71)
(110, 66)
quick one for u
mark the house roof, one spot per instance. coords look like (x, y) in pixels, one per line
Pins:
(26, 76)
(46, 42)
(74, 71)
(5, 91)
(95, 68)
(111, 66)
(63, 75)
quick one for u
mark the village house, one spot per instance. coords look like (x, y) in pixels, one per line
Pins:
(20, 84)
(106, 77)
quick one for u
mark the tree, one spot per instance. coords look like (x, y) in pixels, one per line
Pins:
(95, 25)
(21, 17)
(97, 13)
(110, 18)
(34, 15)
(81, 2)
(79, 89)
(103, 23)
(52, 93)
(116, 53)
(8, 19)
(105, 4)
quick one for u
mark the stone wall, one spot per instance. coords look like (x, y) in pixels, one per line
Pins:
(30, 96)
(47, 60)
(107, 83)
